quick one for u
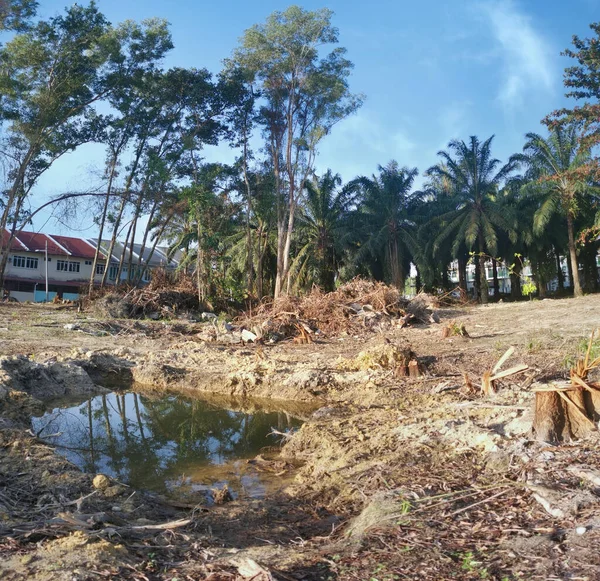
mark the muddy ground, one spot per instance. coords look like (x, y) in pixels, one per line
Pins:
(399, 478)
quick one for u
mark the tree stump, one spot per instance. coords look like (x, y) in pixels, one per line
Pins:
(565, 413)
(414, 369)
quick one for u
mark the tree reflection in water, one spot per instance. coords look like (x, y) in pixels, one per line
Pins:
(154, 443)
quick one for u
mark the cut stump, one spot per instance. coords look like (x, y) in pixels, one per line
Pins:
(564, 413)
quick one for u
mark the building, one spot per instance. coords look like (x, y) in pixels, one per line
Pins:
(504, 275)
(69, 265)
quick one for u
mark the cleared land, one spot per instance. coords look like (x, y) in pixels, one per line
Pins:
(399, 478)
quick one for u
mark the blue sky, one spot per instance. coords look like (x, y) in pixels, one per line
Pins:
(431, 71)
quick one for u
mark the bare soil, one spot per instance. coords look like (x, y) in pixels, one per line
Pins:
(400, 478)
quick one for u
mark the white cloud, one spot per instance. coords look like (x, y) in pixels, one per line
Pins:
(363, 141)
(526, 54)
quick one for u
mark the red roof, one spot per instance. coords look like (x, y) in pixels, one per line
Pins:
(57, 245)
(77, 246)
(15, 244)
(37, 243)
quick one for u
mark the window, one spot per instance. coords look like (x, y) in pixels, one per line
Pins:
(67, 266)
(88, 263)
(112, 272)
(100, 268)
(147, 275)
(25, 262)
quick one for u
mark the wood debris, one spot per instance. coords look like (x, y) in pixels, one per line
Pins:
(489, 378)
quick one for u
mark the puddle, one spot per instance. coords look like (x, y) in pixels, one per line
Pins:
(171, 444)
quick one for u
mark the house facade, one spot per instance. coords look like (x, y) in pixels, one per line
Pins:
(66, 264)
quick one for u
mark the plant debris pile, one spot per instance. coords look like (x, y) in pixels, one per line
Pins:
(166, 296)
(356, 306)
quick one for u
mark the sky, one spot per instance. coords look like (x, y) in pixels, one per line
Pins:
(431, 71)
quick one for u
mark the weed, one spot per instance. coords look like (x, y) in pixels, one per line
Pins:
(580, 351)
(534, 345)
(381, 568)
(473, 566)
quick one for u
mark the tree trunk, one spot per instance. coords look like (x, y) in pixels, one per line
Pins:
(111, 177)
(249, 242)
(573, 257)
(155, 244)
(484, 295)
(570, 271)
(200, 278)
(496, 281)
(462, 277)
(113, 241)
(117, 225)
(515, 281)
(122, 258)
(147, 231)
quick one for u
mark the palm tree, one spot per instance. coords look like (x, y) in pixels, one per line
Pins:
(559, 177)
(322, 231)
(387, 211)
(474, 178)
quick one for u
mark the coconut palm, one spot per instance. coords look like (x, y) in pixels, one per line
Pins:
(388, 210)
(559, 177)
(474, 178)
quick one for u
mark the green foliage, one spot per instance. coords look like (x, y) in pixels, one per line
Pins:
(581, 350)
(304, 93)
(529, 289)
(386, 221)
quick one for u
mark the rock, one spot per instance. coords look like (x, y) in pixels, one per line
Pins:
(115, 490)
(101, 482)
(248, 336)
(71, 327)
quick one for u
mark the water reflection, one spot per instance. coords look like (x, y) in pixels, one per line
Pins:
(163, 443)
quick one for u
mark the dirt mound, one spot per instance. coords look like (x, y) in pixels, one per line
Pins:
(354, 308)
(47, 380)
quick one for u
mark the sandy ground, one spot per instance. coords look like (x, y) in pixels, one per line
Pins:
(400, 479)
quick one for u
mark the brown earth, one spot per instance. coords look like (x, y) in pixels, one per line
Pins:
(400, 479)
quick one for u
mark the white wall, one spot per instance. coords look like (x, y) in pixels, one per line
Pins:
(22, 296)
(85, 270)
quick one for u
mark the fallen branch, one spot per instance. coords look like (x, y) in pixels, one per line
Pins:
(484, 501)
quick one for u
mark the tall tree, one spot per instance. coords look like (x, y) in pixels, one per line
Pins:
(52, 74)
(559, 174)
(304, 94)
(16, 14)
(142, 48)
(583, 83)
(476, 218)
